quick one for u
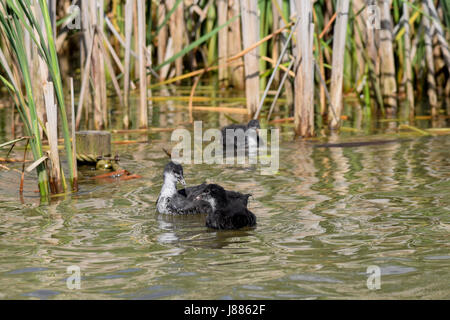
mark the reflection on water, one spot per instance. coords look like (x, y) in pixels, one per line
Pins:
(322, 220)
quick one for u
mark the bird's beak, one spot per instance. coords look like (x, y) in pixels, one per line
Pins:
(182, 181)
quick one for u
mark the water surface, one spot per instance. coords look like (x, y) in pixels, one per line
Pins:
(328, 215)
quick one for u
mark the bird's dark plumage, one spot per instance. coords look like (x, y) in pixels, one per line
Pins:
(239, 136)
(224, 209)
(226, 213)
(192, 192)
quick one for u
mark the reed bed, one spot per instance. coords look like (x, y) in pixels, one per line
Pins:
(26, 25)
(393, 56)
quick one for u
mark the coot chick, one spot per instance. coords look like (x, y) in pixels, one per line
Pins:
(173, 201)
(169, 200)
(231, 133)
(225, 213)
(193, 192)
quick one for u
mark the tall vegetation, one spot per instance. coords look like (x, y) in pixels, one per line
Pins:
(373, 50)
(19, 20)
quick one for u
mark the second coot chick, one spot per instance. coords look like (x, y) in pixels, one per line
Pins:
(230, 135)
(192, 192)
(226, 213)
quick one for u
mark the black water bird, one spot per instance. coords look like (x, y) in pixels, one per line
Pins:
(225, 213)
(193, 192)
(183, 201)
(236, 136)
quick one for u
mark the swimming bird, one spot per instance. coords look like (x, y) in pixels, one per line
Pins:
(173, 201)
(225, 213)
(233, 136)
(192, 192)
(169, 200)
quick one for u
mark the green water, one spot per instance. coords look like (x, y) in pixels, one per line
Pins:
(325, 218)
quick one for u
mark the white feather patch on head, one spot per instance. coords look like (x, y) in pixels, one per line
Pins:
(169, 187)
